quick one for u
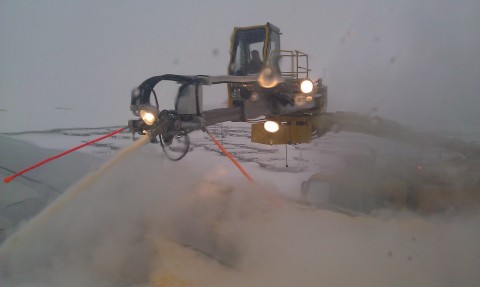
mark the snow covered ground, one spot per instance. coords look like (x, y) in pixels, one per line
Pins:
(198, 222)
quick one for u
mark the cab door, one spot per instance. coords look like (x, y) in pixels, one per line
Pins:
(244, 42)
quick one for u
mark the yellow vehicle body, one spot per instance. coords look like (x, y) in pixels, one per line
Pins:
(296, 111)
(292, 130)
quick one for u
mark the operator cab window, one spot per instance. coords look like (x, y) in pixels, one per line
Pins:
(248, 52)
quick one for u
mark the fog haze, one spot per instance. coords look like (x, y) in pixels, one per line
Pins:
(60, 61)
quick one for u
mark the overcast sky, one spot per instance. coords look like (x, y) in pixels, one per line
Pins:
(74, 63)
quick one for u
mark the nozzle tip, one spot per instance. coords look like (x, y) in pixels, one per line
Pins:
(8, 179)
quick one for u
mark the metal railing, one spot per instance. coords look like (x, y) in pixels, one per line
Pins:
(298, 63)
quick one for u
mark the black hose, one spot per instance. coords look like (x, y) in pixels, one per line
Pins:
(156, 100)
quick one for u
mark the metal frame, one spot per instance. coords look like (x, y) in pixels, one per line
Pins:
(297, 59)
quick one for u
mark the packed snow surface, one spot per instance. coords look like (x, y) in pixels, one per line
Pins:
(198, 222)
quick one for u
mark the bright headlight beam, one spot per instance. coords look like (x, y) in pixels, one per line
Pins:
(306, 86)
(148, 117)
(271, 126)
(269, 78)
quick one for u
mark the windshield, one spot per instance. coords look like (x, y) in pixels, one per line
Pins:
(274, 48)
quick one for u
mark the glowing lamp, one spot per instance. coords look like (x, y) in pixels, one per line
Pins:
(271, 126)
(149, 114)
(306, 86)
(269, 78)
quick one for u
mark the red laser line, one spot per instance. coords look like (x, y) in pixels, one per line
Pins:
(225, 152)
(10, 178)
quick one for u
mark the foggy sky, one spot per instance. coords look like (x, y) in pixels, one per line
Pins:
(74, 63)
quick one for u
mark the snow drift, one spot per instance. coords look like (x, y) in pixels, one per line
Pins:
(150, 222)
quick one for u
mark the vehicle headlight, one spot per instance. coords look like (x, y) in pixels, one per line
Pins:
(269, 78)
(271, 126)
(306, 86)
(149, 114)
